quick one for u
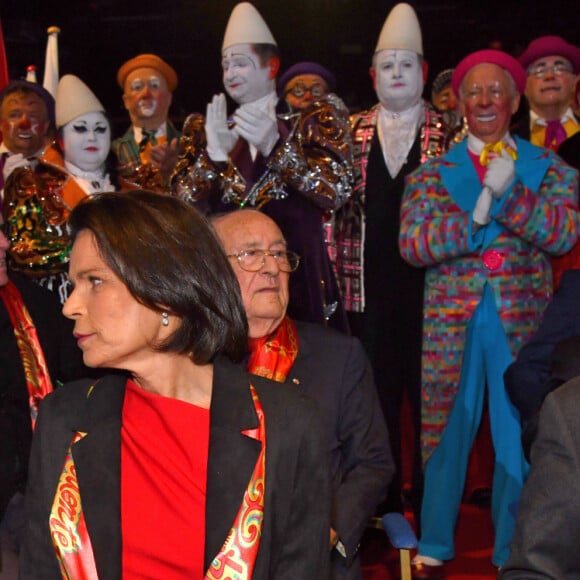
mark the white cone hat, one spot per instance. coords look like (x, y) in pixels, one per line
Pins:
(246, 26)
(401, 30)
(73, 99)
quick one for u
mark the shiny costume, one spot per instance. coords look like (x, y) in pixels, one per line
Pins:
(484, 297)
(37, 204)
(134, 170)
(306, 176)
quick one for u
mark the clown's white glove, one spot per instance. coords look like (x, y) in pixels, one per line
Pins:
(220, 139)
(257, 128)
(483, 207)
(13, 162)
(501, 171)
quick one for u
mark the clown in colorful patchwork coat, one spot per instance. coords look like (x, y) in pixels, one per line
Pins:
(484, 220)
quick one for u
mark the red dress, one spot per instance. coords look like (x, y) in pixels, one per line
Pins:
(164, 450)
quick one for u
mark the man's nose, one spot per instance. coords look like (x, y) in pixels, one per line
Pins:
(24, 122)
(270, 265)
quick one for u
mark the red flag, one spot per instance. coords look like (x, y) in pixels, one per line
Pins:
(4, 76)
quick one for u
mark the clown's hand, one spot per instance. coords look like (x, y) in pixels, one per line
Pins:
(483, 207)
(220, 139)
(500, 173)
(13, 162)
(257, 128)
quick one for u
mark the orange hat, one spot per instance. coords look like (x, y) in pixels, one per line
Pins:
(148, 61)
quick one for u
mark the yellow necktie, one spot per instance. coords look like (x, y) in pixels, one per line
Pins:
(492, 149)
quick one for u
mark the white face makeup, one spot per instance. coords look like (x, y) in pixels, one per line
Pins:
(87, 140)
(399, 79)
(244, 78)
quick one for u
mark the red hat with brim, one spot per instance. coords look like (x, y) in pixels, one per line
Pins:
(551, 46)
(489, 56)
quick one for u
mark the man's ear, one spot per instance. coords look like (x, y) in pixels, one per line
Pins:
(274, 66)
(60, 141)
(373, 74)
(515, 103)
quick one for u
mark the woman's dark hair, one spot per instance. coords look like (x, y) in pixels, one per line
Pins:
(170, 260)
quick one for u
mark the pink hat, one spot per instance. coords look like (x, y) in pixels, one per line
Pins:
(551, 46)
(498, 57)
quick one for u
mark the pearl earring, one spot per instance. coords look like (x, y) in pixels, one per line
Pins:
(165, 318)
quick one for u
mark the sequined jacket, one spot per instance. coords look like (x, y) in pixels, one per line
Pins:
(313, 157)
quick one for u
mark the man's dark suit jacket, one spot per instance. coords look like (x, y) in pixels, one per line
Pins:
(294, 543)
(333, 369)
(547, 535)
(527, 379)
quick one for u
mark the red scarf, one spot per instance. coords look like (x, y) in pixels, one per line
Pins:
(273, 356)
(35, 369)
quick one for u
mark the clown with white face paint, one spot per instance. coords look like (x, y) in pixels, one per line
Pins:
(86, 142)
(72, 169)
(391, 140)
(247, 155)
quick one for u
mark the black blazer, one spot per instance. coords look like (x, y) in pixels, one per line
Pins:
(295, 535)
(334, 370)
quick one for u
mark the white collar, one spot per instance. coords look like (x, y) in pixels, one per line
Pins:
(567, 116)
(267, 102)
(476, 145)
(161, 131)
(89, 175)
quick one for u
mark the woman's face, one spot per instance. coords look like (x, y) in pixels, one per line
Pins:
(112, 329)
(86, 141)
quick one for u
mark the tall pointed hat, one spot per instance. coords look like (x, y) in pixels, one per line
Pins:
(246, 26)
(73, 99)
(401, 30)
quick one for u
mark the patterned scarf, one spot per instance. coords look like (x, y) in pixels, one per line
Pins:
(273, 356)
(238, 555)
(35, 369)
(68, 528)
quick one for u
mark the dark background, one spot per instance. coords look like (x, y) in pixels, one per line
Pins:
(97, 36)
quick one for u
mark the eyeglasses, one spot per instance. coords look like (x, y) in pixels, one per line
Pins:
(317, 90)
(541, 70)
(253, 260)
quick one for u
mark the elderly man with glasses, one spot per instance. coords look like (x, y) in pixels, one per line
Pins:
(322, 363)
(552, 67)
(483, 220)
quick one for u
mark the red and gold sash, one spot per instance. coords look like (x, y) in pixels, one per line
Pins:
(273, 356)
(68, 528)
(238, 555)
(35, 369)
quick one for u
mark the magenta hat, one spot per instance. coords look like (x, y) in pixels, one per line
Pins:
(490, 56)
(551, 46)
